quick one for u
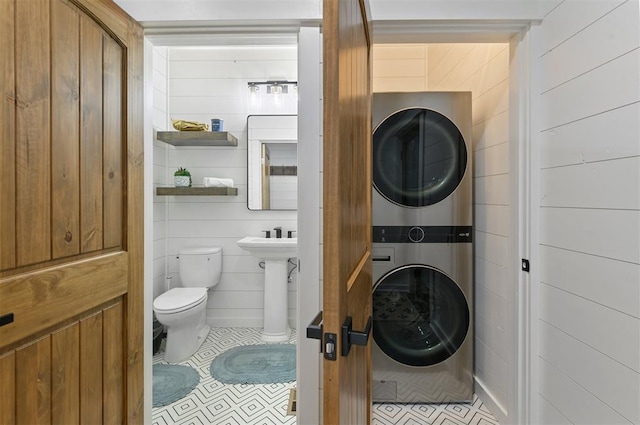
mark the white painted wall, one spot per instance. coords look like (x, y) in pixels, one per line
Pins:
(589, 289)
(482, 69)
(160, 79)
(207, 83)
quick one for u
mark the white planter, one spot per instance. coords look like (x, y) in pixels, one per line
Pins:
(182, 181)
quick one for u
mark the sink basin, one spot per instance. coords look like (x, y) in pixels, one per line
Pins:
(270, 248)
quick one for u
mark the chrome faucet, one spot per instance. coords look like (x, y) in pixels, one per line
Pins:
(278, 231)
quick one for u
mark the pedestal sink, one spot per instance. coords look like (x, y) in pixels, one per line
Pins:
(275, 252)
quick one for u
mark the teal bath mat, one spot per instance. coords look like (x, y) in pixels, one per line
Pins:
(256, 364)
(171, 382)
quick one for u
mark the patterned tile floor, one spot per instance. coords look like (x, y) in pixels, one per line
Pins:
(220, 404)
(212, 402)
(433, 414)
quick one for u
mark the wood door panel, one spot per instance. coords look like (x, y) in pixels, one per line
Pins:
(91, 225)
(7, 136)
(59, 130)
(33, 140)
(41, 299)
(113, 369)
(91, 369)
(33, 382)
(71, 222)
(65, 148)
(112, 142)
(7, 388)
(58, 378)
(65, 382)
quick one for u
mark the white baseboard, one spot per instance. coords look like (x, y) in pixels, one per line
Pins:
(234, 322)
(490, 401)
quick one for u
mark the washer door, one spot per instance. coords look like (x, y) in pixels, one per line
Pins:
(420, 315)
(419, 157)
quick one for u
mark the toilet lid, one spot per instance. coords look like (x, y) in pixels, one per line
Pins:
(179, 299)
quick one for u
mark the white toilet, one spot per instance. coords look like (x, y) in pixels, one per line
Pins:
(183, 310)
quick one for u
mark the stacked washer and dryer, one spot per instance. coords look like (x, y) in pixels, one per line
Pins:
(422, 248)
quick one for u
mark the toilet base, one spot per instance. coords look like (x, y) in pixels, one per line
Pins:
(179, 349)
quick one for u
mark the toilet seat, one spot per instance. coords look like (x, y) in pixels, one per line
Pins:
(179, 299)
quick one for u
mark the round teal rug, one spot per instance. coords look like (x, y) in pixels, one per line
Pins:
(171, 382)
(256, 364)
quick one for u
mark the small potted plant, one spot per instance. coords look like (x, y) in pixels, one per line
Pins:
(182, 178)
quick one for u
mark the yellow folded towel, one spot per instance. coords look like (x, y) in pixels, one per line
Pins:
(182, 125)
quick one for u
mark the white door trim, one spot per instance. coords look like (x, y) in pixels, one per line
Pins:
(524, 185)
(309, 221)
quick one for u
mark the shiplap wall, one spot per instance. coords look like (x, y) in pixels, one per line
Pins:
(589, 315)
(207, 83)
(482, 69)
(160, 105)
(399, 67)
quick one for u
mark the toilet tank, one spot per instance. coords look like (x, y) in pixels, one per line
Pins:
(200, 266)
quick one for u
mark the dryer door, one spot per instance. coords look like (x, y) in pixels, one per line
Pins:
(419, 157)
(420, 315)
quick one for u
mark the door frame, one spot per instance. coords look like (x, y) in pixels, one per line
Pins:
(523, 186)
(523, 190)
(523, 76)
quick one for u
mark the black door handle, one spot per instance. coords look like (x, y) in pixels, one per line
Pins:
(314, 330)
(351, 337)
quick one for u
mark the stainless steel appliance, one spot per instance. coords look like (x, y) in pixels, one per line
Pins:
(423, 251)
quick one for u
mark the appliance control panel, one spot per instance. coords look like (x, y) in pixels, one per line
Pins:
(422, 234)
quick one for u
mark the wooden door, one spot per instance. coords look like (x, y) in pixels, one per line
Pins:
(347, 207)
(71, 213)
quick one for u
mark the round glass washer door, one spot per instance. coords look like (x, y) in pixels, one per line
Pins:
(419, 157)
(420, 315)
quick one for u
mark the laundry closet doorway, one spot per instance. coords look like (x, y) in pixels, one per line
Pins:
(489, 64)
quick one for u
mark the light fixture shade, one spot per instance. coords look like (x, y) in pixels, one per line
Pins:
(273, 87)
(277, 88)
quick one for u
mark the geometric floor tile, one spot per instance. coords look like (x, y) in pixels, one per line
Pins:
(433, 414)
(212, 402)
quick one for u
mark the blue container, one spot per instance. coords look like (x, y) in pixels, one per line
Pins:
(216, 124)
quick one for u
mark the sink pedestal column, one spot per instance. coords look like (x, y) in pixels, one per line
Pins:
(275, 252)
(276, 308)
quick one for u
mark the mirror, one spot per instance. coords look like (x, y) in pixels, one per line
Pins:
(272, 162)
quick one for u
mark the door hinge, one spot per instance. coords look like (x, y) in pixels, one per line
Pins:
(525, 265)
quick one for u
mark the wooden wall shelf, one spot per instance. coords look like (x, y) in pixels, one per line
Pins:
(197, 138)
(197, 191)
